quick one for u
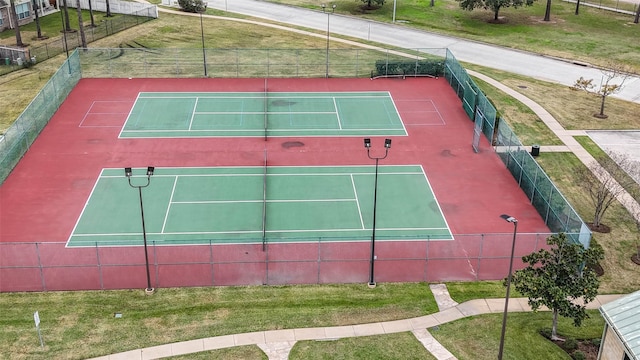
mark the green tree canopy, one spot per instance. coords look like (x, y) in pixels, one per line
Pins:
(494, 5)
(560, 278)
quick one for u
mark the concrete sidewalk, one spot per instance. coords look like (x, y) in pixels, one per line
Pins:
(277, 343)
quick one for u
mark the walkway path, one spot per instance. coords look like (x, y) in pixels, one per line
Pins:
(278, 343)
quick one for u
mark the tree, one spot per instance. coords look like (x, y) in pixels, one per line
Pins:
(14, 18)
(559, 276)
(635, 20)
(193, 6)
(93, 21)
(547, 11)
(83, 39)
(577, 7)
(604, 180)
(67, 23)
(607, 85)
(36, 7)
(494, 5)
(108, 9)
(369, 2)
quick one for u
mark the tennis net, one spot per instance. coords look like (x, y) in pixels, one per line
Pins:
(266, 109)
(264, 202)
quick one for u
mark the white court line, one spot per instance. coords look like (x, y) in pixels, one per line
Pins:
(166, 214)
(355, 191)
(337, 112)
(193, 113)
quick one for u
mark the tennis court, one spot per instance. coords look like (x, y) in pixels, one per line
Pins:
(255, 114)
(231, 205)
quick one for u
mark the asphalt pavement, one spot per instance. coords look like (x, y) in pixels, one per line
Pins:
(514, 61)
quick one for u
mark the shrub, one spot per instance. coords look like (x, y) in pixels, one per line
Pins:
(596, 342)
(193, 6)
(570, 344)
(578, 355)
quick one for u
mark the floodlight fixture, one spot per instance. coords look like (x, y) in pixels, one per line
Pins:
(367, 143)
(387, 143)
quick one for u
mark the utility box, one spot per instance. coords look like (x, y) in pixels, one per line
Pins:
(535, 150)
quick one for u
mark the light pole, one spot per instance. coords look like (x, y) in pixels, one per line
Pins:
(204, 54)
(128, 173)
(333, 8)
(394, 11)
(514, 221)
(387, 146)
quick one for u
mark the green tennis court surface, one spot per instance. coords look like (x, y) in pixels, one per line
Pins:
(226, 205)
(262, 114)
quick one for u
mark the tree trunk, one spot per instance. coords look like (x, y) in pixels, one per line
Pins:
(495, 13)
(635, 21)
(67, 24)
(108, 9)
(35, 11)
(547, 12)
(602, 105)
(554, 327)
(93, 22)
(14, 17)
(83, 39)
(577, 7)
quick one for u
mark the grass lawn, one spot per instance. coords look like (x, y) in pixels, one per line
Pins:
(477, 338)
(594, 36)
(81, 324)
(390, 346)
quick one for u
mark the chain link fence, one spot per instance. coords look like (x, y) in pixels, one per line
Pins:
(556, 211)
(24, 131)
(48, 266)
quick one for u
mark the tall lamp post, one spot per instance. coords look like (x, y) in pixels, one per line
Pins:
(333, 8)
(387, 146)
(128, 173)
(514, 221)
(204, 54)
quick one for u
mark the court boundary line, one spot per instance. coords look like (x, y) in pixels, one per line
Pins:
(88, 112)
(351, 176)
(180, 133)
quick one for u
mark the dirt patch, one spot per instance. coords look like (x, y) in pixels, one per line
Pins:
(292, 144)
(586, 347)
(602, 228)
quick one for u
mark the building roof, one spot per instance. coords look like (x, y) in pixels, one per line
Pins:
(623, 316)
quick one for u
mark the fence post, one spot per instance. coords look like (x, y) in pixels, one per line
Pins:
(44, 285)
(99, 267)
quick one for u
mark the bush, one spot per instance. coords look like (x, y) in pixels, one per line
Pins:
(570, 344)
(579, 355)
(193, 6)
(596, 342)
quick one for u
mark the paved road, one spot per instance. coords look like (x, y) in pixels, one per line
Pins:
(518, 62)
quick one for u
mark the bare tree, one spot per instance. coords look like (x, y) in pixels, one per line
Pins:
(14, 18)
(608, 85)
(604, 180)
